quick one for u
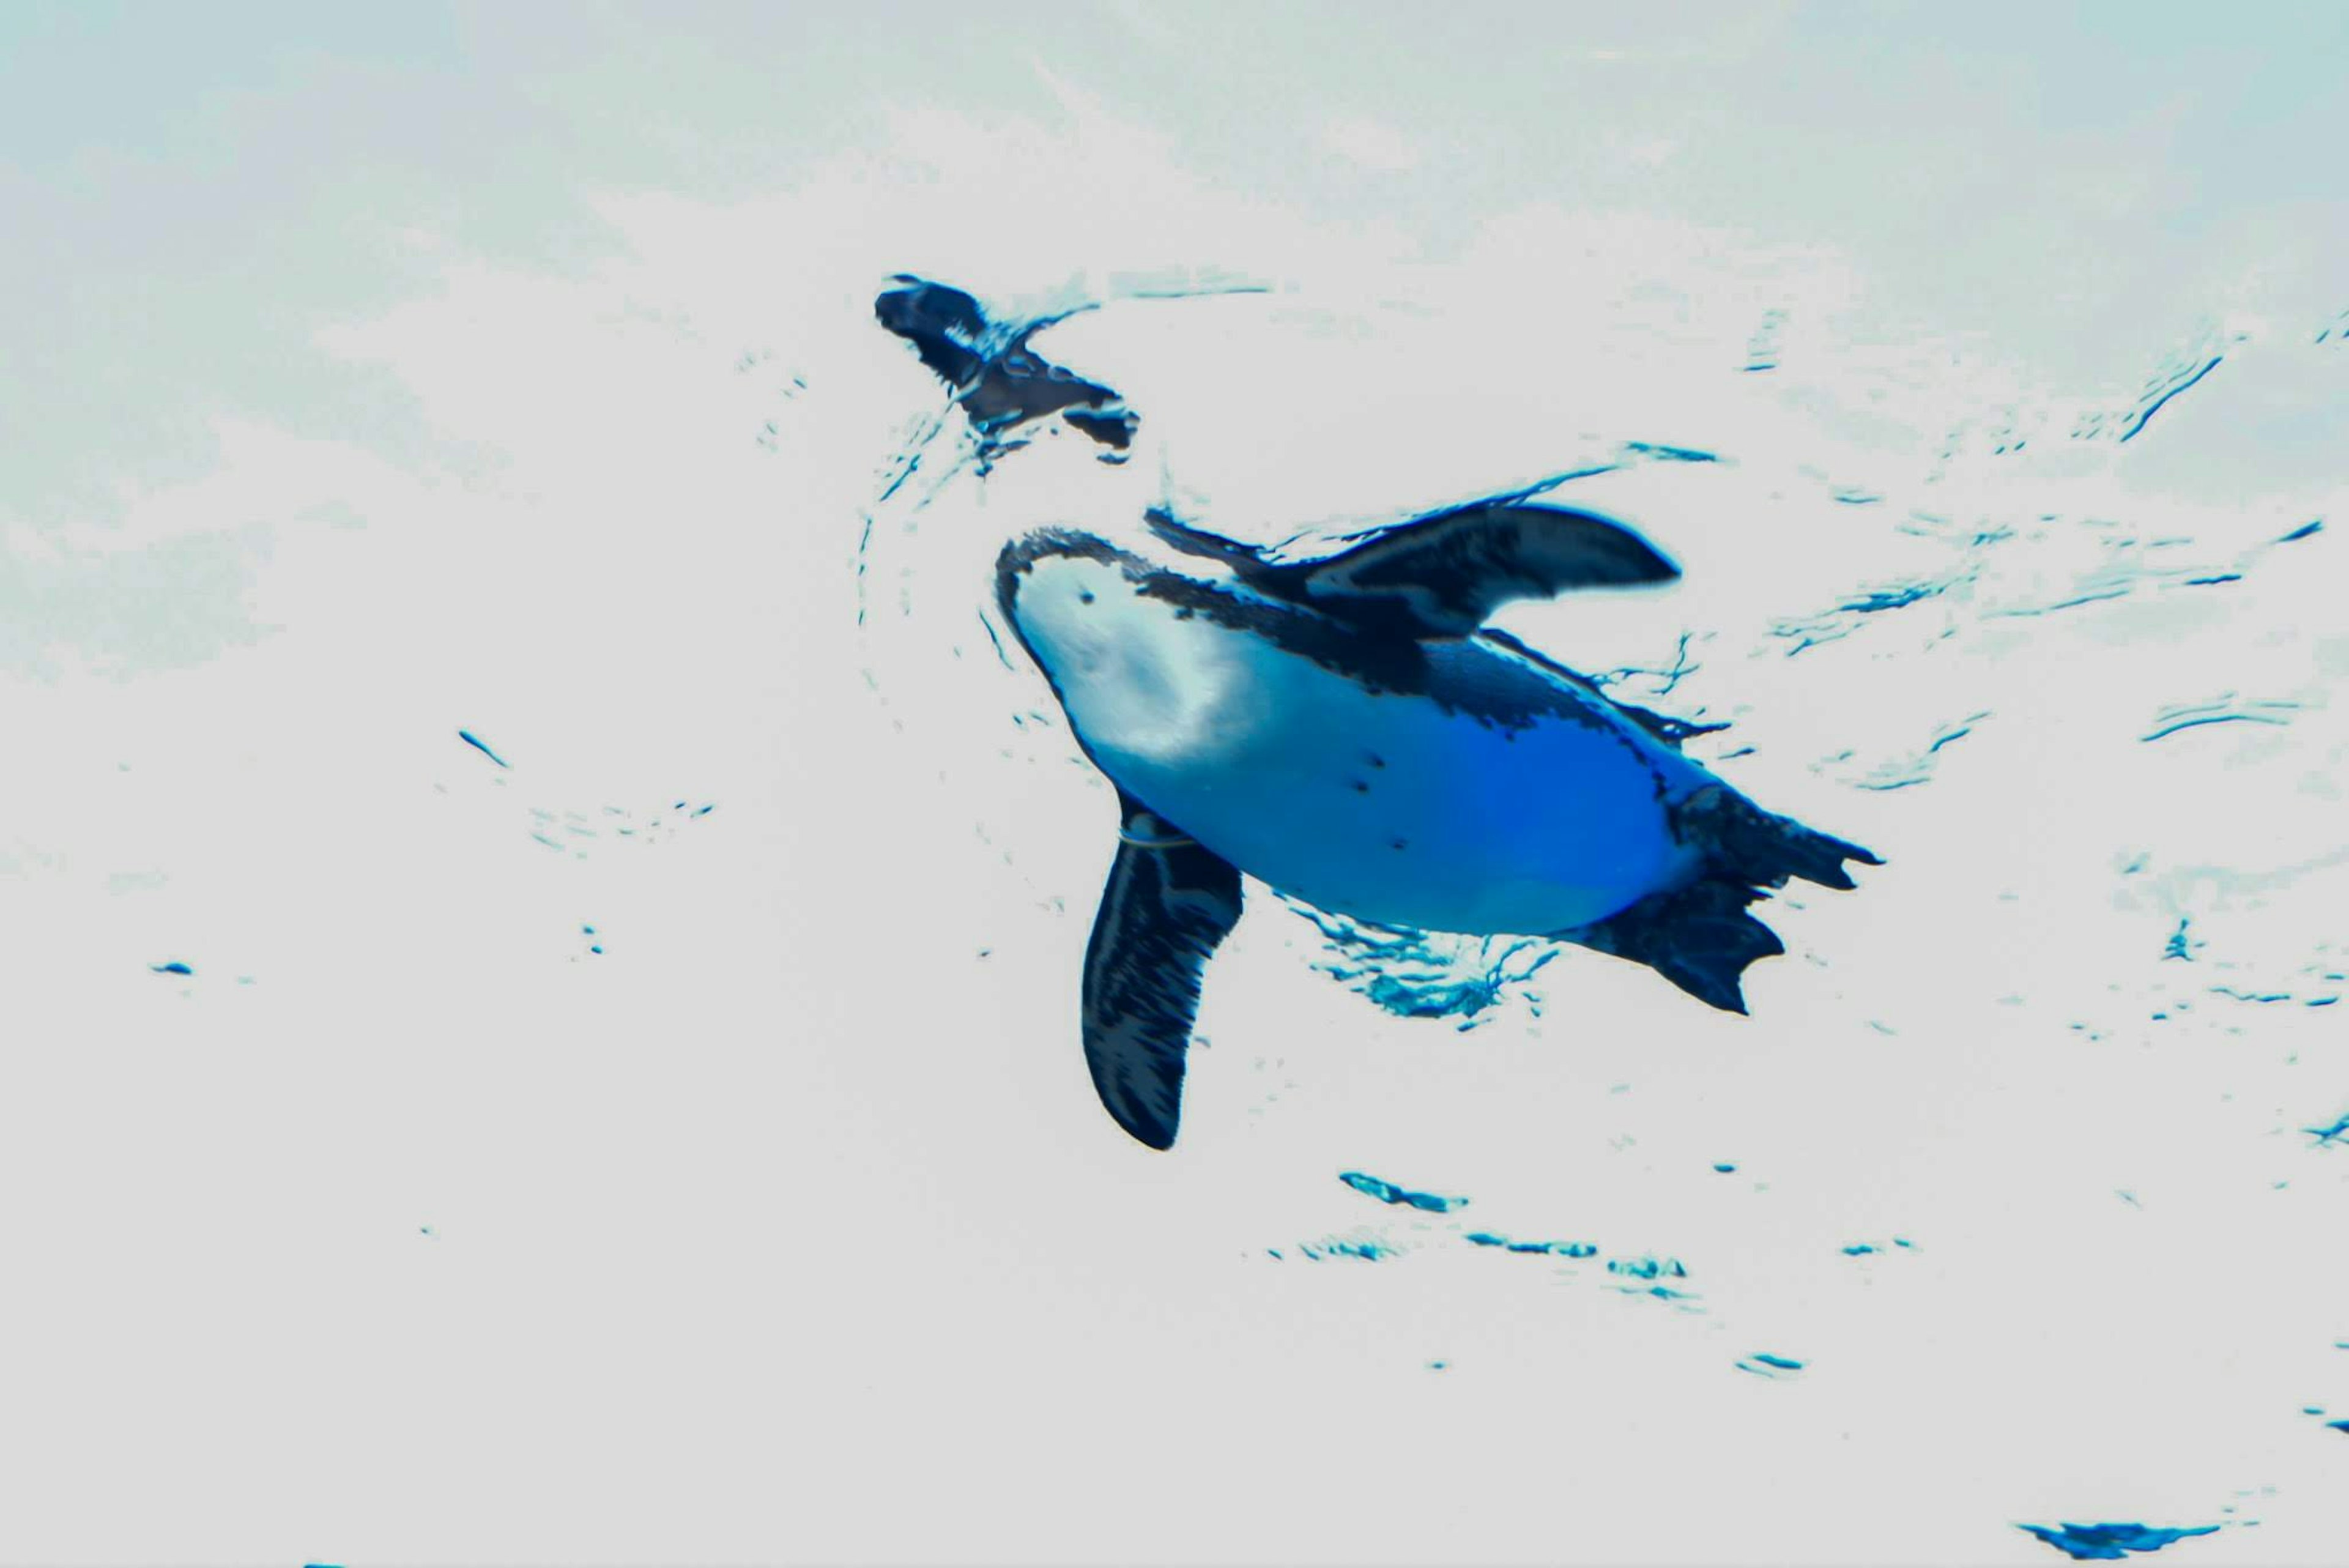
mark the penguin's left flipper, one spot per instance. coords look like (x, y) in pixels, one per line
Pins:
(1168, 905)
(1444, 574)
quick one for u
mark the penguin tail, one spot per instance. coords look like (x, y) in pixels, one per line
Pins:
(1701, 936)
(1746, 843)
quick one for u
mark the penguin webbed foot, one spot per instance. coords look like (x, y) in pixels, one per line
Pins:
(1700, 937)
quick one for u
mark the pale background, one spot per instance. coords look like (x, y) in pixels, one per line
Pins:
(369, 379)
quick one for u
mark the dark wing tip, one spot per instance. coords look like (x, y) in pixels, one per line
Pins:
(1661, 568)
(1835, 875)
(1609, 553)
(1148, 1131)
(1168, 903)
(1142, 1089)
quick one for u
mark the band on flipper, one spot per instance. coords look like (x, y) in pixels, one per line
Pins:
(1168, 904)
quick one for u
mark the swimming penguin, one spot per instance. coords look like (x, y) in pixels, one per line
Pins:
(989, 371)
(1350, 732)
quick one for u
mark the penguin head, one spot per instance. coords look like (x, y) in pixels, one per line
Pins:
(1130, 666)
(1062, 591)
(922, 311)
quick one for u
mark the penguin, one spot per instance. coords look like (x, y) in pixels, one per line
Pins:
(989, 371)
(1348, 730)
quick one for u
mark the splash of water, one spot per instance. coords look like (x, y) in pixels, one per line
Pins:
(1388, 1193)
(1427, 974)
(2111, 1542)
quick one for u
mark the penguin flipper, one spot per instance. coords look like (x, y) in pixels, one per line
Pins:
(1169, 903)
(1247, 561)
(1443, 574)
(1759, 847)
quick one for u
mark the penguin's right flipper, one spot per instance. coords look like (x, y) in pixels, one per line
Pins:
(1444, 574)
(1169, 903)
(1247, 561)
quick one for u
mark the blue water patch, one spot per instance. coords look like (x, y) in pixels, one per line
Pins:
(1850, 612)
(1370, 1252)
(1908, 772)
(2162, 389)
(2226, 709)
(1426, 974)
(649, 826)
(1876, 601)
(1660, 681)
(2181, 371)
(2265, 998)
(482, 746)
(1761, 347)
(1766, 1366)
(174, 967)
(2177, 947)
(2110, 1542)
(2325, 1137)
(1388, 1193)
(1645, 1275)
(2314, 525)
(1662, 453)
(1553, 1249)
(1723, 1166)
